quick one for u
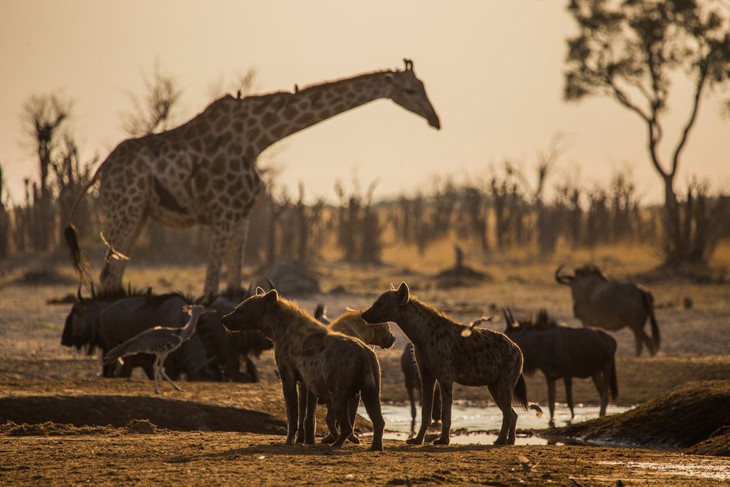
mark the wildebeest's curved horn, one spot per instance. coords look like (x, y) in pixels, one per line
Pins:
(508, 318)
(271, 283)
(79, 295)
(562, 278)
(320, 314)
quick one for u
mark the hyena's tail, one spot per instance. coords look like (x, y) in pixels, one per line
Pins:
(520, 396)
(371, 375)
(655, 336)
(614, 381)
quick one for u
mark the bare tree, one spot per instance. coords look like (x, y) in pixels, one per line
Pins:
(71, 177)
(43, 116)
(155, 111)
(4, 219)
(630, 51)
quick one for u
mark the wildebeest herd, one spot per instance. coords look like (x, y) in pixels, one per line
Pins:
(331, 363)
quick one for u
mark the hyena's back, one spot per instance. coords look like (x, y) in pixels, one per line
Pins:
(479, 359)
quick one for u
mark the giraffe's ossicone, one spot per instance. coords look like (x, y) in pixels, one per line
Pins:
(204, 171)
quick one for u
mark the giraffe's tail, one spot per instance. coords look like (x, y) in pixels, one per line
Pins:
(72, 238)
(77, 258)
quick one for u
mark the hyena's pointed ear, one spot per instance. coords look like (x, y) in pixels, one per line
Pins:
(403, 293)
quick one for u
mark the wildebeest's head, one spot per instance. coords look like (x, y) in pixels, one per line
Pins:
(530, 336)
(388, 305)
(586, 272)
(82, 323)
(541, 322)
(249, 315)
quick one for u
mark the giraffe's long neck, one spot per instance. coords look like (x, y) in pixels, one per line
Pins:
(291, 113)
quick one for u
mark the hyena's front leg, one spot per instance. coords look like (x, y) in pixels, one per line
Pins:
(446, 388)
(427, 386)
(289, 387)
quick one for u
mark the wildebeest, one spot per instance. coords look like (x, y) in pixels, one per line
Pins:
(350, 323)
(332, 366)
(563, 352)
(611, 305)
(228, 350)
(413, 383)
(83, 321)
(127, 317)
(485, 357)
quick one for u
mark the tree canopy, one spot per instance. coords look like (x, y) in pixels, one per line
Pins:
(629, 50)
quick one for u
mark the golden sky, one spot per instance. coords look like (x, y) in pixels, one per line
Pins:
(493, 70)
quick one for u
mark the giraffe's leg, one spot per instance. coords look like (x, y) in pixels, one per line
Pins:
(121, 230)
(235, 252)
(216, 248)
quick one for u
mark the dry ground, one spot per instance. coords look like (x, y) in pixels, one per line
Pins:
(229, 433)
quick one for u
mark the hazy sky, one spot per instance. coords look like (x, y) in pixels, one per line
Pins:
(493, 70)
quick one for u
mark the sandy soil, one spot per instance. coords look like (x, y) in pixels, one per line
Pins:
(223, 433)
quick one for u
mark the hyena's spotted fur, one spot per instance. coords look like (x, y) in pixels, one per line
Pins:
(334, 368)
(443, 354)
(349, 323)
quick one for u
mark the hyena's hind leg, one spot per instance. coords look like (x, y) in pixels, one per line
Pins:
(341, 413)
(331, 421)
(352, 410)
(371, 401)
(503, 398)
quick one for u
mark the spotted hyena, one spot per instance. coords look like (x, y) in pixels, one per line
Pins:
(349, 323)
(333, 367)
(443, 354)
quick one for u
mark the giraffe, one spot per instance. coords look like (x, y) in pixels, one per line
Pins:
(204, 171)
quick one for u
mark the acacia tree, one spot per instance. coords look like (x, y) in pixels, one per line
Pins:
(630, 51)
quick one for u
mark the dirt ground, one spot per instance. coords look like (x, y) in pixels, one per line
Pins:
(71, 427)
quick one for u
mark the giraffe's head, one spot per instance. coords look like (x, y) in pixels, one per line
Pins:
(409, 92)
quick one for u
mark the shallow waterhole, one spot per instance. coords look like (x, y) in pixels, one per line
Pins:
(473, 424)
